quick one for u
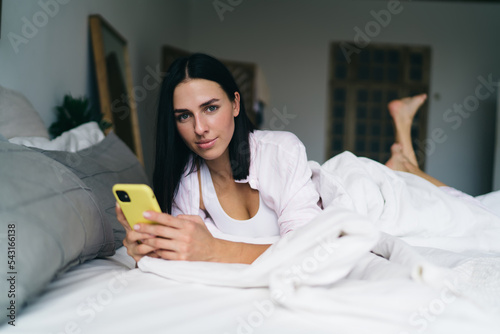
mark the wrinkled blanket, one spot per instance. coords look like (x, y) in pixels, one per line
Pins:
(391, 253)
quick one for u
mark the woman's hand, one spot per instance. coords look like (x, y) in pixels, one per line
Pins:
(184, 237)
(134, 241)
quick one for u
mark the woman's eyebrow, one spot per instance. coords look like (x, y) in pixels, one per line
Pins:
(208, 102)
(204, 104)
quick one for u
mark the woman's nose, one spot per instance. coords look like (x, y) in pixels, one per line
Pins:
(200, 126)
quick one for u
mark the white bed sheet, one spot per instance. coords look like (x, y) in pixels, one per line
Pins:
(111, 296)
(411, 290)
(366, 293)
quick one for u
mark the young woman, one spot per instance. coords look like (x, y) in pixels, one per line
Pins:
(219, 181)
(217, 176)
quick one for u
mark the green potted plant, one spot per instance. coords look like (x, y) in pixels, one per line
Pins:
(74, 112)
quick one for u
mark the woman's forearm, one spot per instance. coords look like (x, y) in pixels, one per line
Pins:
(237, 252)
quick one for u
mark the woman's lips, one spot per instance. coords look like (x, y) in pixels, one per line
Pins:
(206, 144)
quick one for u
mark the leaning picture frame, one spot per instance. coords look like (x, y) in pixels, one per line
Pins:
(114, 82)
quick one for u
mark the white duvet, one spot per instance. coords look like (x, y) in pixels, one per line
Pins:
(390, 254)
(448, 281)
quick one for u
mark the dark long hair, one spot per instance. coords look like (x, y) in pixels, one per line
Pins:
(172, 154)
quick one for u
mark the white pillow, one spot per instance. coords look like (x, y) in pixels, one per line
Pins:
(74, 140)
(18, 118)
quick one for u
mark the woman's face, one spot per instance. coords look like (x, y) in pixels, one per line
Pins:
(205, 117)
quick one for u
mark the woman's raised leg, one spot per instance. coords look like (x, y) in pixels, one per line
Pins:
(400, 162)
(402, 112)
(403, 157)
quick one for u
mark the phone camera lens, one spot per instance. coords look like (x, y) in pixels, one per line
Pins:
(123, 196)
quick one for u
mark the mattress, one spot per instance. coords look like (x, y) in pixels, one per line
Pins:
(111, 296)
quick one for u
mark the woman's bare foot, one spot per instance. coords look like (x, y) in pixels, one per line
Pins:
(400, 162)
(402, 112)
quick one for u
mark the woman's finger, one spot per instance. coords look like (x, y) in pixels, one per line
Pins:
(163, 219)
(136, 250)
(134, 236)
(121, 218)
(153, 254)
(162, 244)
(168, 255)
(193, 218)
(161, 231)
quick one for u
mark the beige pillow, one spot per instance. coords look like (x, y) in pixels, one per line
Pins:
(18, 118)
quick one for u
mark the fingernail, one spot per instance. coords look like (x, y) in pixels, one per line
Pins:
(146, 214)
(136, 227)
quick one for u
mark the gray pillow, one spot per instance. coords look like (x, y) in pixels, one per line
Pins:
(50, 220)
(18, 118)
(100, 167)
(61, 209)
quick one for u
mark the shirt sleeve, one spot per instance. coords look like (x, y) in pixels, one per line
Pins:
(297, 199)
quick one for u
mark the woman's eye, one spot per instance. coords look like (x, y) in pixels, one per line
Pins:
(211, 108)
(182, 117)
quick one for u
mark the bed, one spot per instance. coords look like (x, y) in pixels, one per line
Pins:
(389, 254)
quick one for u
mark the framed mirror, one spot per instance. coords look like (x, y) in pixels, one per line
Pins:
(114, 83)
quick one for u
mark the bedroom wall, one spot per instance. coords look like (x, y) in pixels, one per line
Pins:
(55, 59)
(290, 41)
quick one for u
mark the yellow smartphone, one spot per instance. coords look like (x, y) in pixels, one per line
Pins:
(134, 199)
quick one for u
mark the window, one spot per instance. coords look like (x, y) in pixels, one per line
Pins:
(361, 85)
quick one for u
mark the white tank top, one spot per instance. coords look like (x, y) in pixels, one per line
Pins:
(263, 224)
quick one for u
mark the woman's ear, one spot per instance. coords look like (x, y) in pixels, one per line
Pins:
(236, 104)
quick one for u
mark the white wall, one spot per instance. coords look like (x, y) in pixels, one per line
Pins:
(290, 40)
(55, 59)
